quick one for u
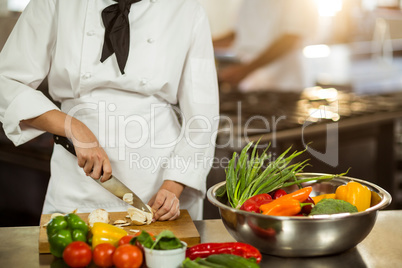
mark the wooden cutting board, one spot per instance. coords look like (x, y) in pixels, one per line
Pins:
(183, 228)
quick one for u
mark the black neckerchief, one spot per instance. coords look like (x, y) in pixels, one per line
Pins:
(117, 31)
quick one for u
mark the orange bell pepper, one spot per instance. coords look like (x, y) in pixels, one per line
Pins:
(284, 207)
(356, 194)
(318, 198)
(301, 195)
(287, 205)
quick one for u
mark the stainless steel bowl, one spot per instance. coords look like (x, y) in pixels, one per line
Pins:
(303, 236)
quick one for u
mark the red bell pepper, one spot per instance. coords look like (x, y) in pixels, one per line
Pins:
(253, 203)
(236, 248)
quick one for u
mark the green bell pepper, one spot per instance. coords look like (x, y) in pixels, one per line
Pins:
(62, 230)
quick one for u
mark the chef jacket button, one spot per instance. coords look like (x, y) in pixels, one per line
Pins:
(143, 82)
(87, 75)
(150, 40)
(90, 33)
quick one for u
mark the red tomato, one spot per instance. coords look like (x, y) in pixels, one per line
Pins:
(125, 239)
(127, 256)
(77, 254)
(307, 209)
(103, 255)
(279, 193)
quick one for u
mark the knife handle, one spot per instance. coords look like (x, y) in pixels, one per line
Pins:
(69, 146)
(66, 143)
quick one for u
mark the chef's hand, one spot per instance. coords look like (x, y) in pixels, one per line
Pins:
(233, 74)
(91, 156)
(165, 203)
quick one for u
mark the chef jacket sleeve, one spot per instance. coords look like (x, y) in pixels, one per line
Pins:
(24, 63)
(199, 109)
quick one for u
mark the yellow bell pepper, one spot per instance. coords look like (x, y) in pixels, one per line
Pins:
(106, 233)
(356, 194)
(318, 198)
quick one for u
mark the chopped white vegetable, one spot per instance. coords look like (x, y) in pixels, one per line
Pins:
(98, 215)
(128, 198)
(140, 217)
(119, 222)
(123, 224)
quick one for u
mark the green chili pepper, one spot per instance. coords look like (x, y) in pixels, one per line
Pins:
(62, 230)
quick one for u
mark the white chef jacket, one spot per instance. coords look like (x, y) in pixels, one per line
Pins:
(170, 62)
(259, 24)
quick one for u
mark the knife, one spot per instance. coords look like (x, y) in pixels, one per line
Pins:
(113, 185)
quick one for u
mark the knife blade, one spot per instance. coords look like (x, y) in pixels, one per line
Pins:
(113, 185)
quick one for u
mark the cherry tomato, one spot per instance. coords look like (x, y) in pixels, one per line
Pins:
(77, 254)
(127, 256)
(125, 239)
(103, 255)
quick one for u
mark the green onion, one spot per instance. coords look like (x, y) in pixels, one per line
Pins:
(249, 175)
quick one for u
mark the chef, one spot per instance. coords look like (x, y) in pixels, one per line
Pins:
(267, 39)
(137, 85)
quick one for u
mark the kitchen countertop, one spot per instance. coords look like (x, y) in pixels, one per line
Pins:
(381, 248)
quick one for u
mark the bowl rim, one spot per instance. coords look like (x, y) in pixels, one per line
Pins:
(385, 201)
(167, 251)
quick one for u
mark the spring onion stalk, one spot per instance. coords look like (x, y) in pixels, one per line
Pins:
(251, 174)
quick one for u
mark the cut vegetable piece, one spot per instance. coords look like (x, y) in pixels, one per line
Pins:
(98, 215)
(139, 217)
(128, 198)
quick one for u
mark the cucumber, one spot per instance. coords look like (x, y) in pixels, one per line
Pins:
(187, 263)
(251, 263)
(232, 261)
(210, 264)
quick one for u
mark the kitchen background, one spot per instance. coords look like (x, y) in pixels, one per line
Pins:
(356, 61)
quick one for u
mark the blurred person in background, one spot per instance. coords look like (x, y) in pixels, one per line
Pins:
(267, 39)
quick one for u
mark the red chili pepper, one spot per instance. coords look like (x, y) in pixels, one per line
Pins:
(253, 203)
(236, 248)
(279, 193)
